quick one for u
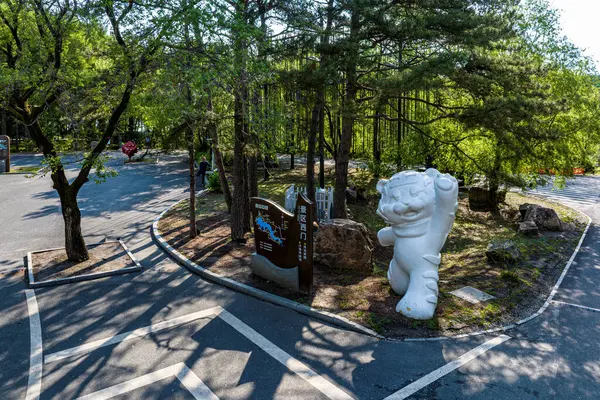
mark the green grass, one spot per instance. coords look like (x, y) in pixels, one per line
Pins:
(32, 169)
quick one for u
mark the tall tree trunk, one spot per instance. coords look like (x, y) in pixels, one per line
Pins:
(239, 206)
(343, 157)
(376, 145)
(494, 181)
(322, 149)
(316, 123)
(3, 123)
(252, 175)
(311, 150)
(192, 172)
(131, 127)
(239, 182)
(74, 241)
(212, 131)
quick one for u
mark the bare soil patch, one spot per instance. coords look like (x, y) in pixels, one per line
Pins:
(54, 264)
(369, 300)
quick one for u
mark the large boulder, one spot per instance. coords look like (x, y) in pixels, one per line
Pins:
(546, 219)
(345, 244)
(505, 252)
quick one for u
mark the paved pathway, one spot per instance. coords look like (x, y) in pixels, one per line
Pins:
(166, 333)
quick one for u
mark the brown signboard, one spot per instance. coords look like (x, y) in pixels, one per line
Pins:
(285, 240)
(4, 153)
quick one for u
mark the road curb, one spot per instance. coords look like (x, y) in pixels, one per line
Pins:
(251, 291)
(532, 316)
(336, 319)
(32, 284)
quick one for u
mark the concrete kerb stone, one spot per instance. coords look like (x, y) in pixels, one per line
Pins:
(32, 284)
(532, 316)
(333, 318)
(251, 291)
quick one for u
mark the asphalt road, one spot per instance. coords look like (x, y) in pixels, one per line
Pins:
(174, 335)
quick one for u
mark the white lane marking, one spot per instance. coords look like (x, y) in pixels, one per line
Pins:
(185, 375)
(566, 269)
(195, 386)
(88, 347)
(576, 305)
(34, 383)
(319, 382)
(446, 369)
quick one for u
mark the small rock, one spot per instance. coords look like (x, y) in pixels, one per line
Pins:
(523, 208)
(528, 228)
(505, 252)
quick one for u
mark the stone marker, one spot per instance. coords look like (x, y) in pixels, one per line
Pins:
(472, 295)
(420, 207)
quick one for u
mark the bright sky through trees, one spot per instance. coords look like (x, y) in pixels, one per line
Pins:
(579, 20)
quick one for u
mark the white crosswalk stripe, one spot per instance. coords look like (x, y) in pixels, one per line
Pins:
(579, 193)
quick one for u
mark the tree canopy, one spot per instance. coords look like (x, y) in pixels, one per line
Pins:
(474, 87)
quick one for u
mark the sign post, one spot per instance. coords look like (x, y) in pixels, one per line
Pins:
(284, 243)
(4, 154)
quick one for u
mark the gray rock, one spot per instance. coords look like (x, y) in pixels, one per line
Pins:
(345, 244)
(523, 208)
(545, 218)
(505, 252)
(528, 228)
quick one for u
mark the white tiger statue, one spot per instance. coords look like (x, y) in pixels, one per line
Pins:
(420, 209)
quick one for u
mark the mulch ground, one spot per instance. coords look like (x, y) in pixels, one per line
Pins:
(368, 299)
(54, 264)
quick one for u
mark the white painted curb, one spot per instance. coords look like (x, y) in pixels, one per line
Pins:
(254, 292)
(333, 318)
(532, 316)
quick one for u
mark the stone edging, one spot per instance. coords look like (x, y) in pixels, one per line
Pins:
(254, 292)
(331, 317)
(61, 281)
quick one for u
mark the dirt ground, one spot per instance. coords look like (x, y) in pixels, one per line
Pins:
(54, 264)
(368, 299)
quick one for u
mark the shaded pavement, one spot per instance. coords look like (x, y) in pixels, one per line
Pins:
(556, 354)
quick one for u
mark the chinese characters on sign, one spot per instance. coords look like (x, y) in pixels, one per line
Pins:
(285, 239)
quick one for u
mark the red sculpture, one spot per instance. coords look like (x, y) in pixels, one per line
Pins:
(129, 149)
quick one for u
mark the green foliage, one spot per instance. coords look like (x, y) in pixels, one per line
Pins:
(213, 182)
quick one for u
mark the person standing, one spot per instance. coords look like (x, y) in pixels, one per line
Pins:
(202, 170)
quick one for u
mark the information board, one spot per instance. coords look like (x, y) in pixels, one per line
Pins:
(4, 153)
(285, 239)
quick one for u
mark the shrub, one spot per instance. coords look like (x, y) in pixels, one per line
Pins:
(213, 182)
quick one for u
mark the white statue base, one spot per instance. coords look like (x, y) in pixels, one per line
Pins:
(420, 209)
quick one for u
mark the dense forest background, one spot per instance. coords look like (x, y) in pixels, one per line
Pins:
(473, 87)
